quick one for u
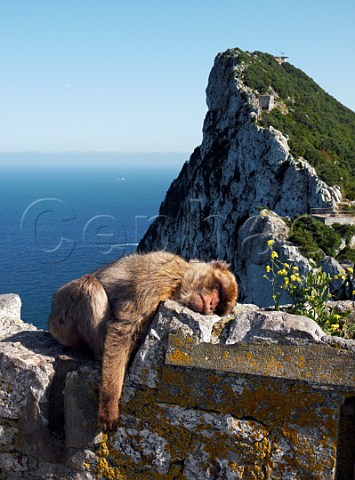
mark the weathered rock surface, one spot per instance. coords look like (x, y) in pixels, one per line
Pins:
(205, 398)
(272, 327)
(10, 312)
(254, 255)
(238, 168)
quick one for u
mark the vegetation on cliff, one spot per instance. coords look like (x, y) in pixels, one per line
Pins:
(318, 127)
(314, 238)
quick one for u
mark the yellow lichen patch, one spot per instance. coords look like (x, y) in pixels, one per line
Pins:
(178, 342)
(182, 387)
(301, 362)
(180, 440)
(263, 448)
(177, 357)
(250, 361)
(142, 404)
(254, 472)
(103, 470)
(274, 365)
(291, 434)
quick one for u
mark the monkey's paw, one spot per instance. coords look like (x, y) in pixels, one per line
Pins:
(108, 417)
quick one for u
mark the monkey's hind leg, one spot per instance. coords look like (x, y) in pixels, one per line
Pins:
(79, 312)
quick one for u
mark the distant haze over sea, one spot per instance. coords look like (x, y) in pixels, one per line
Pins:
(66, 214)
(94, 159)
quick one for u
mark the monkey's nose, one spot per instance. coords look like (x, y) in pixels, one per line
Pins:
(208, 307)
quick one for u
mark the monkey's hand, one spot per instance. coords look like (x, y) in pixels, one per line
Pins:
(108, 416)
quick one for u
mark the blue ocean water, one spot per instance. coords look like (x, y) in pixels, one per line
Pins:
(66, 215)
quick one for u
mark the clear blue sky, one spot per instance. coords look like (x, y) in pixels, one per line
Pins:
(87, 75)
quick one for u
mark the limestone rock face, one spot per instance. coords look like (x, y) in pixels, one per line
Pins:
(10, 311)
(254, 255)
(238, 168)
(273, 326)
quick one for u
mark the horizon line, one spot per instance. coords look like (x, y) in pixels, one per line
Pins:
(9, 152)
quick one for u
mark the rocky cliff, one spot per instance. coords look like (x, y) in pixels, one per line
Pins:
(239, 168)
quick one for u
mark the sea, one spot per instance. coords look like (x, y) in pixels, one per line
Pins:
(63, 215)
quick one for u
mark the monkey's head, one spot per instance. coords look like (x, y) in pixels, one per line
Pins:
(208, 288)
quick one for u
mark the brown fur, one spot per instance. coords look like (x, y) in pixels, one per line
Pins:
(110, 311)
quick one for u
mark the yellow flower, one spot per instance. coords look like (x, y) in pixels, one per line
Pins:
(353, 292)
(350, 270)
(270, 243)
(274, 255)
(335, 326)
(282, 272)
(286, 265)
(268, 268)
(293, 278)
(287, 281)
(295, 268)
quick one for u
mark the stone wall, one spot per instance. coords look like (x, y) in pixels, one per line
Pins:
(259, 395)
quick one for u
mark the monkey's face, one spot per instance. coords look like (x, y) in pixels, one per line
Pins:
(208, 288)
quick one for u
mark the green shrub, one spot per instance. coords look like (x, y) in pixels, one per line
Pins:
(346, 254)
(345, 231)
(314, 238)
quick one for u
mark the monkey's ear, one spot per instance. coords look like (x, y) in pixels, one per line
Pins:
(220, 264)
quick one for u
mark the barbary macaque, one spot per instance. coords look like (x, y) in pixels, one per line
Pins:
(110, 310)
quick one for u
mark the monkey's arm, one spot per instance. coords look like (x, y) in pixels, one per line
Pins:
(120, 342)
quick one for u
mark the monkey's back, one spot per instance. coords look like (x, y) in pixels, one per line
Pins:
(140, 282)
